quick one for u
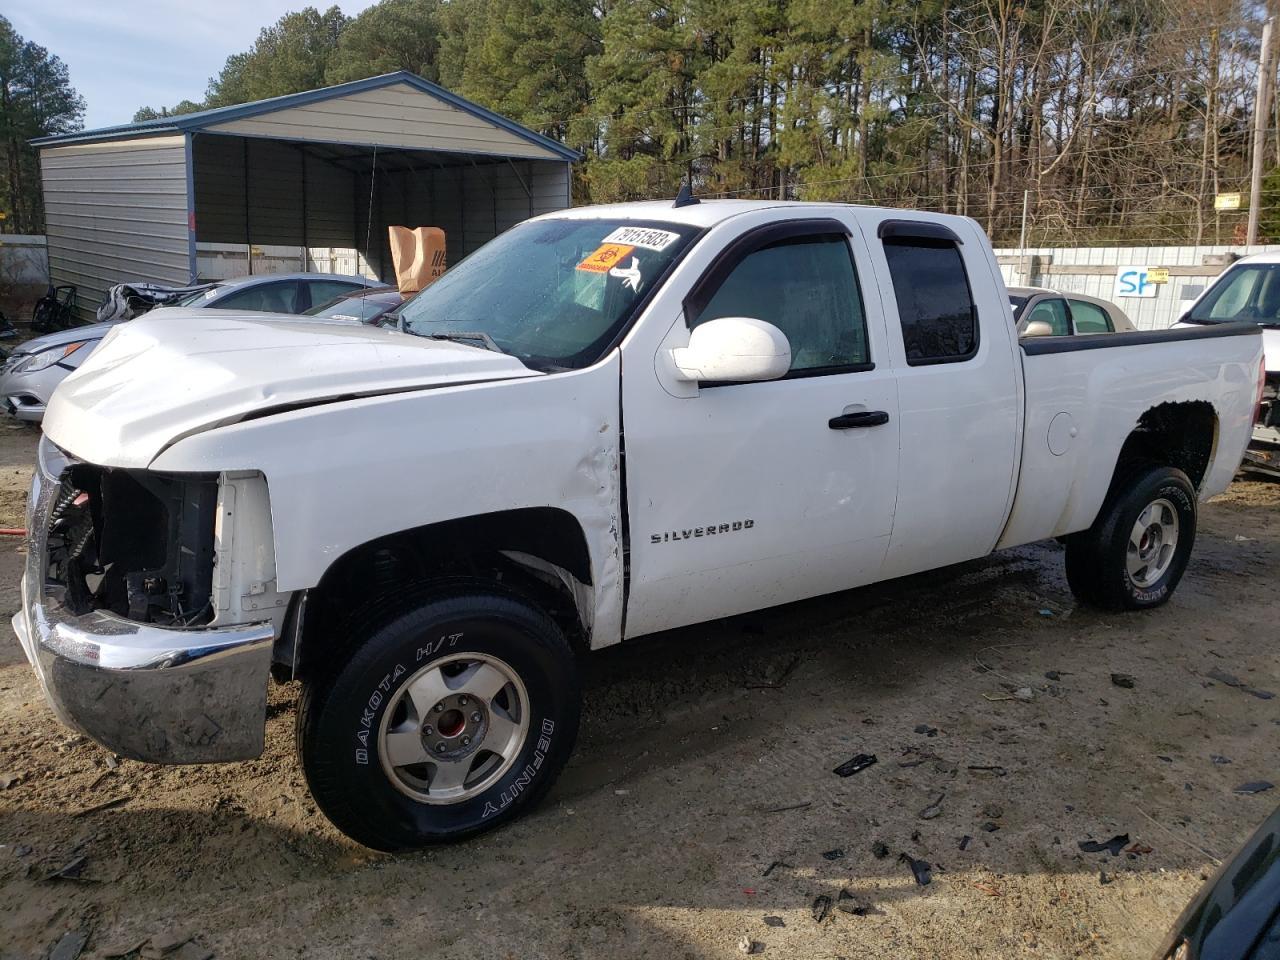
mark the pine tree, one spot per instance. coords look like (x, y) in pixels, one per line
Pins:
(290, 56)
(389, 36)
(36, 100)
(526, 59)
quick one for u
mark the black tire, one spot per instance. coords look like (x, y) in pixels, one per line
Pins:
(1097, 571)
(341, 714)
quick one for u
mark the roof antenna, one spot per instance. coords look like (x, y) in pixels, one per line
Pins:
(685, 197)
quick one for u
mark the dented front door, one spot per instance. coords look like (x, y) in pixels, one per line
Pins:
(744, 496)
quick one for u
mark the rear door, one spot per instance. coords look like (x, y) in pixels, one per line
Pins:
(953, 349)
(742, 496)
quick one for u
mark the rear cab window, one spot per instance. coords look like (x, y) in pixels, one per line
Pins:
(935, 303)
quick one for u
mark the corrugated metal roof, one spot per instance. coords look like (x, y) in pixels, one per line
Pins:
(194, 122)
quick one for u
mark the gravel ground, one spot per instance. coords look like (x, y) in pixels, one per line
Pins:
(701, 807)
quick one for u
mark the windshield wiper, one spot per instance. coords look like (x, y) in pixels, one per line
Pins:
(464, 335)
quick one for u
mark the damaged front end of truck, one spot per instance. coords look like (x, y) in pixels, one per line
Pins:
(121, 613)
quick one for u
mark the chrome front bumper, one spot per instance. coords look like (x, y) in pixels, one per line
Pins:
(147, 692)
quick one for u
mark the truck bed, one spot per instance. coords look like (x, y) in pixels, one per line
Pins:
(1084, 395)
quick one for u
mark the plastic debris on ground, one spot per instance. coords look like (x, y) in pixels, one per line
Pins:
(821, 907)
(933, 809)
(846, 902)
(1254, 786)
(1112, 846)
(70, 870)
(855, 764)
(1231, 680)
(922, 870)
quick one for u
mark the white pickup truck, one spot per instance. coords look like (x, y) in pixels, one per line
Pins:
(607, 422)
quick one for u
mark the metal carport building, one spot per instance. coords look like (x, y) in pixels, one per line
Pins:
(327, 168)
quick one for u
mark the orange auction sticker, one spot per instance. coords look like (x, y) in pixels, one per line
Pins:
(605, 256)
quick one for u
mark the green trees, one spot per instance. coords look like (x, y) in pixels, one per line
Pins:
(392, 35)
(291, 55)
(1118, 120)
(36, 100)
(526, 59)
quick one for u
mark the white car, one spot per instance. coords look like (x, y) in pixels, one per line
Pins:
(605, 423)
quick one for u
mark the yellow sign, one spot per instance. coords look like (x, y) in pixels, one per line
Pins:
(3, 215)
(1227, 201)
(1157, 275)
(604, 257)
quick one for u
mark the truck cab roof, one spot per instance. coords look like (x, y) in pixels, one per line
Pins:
(709, 213)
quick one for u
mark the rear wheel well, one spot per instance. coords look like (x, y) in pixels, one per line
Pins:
(1182, 434)
(539, 553)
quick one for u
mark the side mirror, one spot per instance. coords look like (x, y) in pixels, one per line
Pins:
(1037, 328)
(733, 349)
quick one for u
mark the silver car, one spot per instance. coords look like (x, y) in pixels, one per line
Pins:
(30, 374)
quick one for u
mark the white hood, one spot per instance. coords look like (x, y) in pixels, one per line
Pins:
(157, 379)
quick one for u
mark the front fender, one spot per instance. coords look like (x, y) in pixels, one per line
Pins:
(342, 474)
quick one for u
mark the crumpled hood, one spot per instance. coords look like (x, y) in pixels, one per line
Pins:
(157, 379)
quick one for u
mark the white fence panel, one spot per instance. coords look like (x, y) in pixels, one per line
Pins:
(1093, 271)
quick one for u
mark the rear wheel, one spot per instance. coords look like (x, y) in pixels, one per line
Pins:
(448, 719)
(1134, 555)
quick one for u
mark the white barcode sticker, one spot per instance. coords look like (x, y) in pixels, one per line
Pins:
(646, 237)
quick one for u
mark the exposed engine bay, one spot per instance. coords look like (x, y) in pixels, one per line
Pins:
(135, 543)
(1267, 426)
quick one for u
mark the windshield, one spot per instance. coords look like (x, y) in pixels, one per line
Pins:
(552, 293)
(1017, 303)
(1249, 293)
(362, 307)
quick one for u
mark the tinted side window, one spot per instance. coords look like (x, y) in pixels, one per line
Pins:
(1090, 318)
(1054, 313)
(280, 297)
(807, 288)
(939, 322)
(323, 291)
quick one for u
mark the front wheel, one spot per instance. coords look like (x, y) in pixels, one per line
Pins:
(448, 720)
(1137, 550)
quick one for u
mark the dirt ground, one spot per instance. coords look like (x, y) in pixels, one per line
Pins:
(701, 806)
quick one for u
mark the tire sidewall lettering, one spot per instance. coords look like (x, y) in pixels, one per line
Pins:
(382, 690)
(1186, 508)
(370, 714)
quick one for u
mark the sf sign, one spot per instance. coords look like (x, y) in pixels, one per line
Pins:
(1138, 282)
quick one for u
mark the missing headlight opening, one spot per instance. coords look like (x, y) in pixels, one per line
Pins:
(140, 545)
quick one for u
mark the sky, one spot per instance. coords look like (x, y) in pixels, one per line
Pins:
(126, 54)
